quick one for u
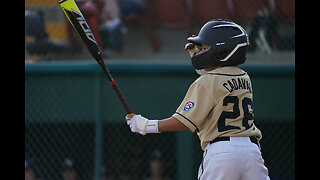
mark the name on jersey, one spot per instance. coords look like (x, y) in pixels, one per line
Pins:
(238, 83)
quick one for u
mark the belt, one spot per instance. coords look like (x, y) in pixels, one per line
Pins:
(252, 139)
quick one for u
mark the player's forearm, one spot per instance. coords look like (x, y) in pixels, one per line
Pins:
(170, 124)
(143, 126)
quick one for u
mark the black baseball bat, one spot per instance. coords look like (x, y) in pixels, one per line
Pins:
(79, 23)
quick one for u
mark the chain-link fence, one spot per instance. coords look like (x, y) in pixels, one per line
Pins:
(148, 29)
(74, 124)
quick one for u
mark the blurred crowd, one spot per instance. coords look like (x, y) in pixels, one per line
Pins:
(265, 21)
(69, 170)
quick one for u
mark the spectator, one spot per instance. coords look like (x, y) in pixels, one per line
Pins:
(105, 173)
(156, 167)
(68, 171)
(264, 29)
(37, 40)
(112, 29)
(29, 172)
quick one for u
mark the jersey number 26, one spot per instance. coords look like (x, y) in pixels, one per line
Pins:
(235, 113)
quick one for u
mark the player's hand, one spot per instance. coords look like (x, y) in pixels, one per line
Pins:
(137, 123)
(192, 48)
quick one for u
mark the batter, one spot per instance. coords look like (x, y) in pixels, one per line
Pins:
(217, 106)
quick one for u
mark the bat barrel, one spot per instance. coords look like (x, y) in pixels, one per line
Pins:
(77, 20)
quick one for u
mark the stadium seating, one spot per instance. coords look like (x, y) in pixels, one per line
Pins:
(286, 10)
(205, 10)
(172, 14)
(244, 13)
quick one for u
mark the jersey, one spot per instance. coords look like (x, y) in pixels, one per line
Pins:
(219, 104)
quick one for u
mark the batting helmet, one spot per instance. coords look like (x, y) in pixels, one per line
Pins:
(228, 41)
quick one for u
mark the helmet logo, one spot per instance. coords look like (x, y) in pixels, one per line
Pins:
(220, 43)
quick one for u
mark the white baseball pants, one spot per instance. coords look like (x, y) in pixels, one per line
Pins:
(237, 159)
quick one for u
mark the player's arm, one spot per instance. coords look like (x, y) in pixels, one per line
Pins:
(171, 124)
(144, 126)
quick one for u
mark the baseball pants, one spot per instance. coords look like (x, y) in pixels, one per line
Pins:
(237, 159)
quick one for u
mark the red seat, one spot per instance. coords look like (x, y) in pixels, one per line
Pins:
(172, 14)
(146, 21)
(246, 11)
(206, 10)
(286, 10)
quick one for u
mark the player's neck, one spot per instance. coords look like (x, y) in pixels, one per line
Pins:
(211, 68)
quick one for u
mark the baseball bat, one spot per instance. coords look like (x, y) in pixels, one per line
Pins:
(79, 23)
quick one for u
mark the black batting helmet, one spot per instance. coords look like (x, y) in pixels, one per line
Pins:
(228, 40)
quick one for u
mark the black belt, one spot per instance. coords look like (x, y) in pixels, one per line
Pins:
(252, 139)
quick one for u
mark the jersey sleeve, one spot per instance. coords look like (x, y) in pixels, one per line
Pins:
(195, 106)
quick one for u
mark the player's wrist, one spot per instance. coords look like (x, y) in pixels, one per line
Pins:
(152, 126)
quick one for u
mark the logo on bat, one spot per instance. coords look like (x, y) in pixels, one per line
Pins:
(85, 26)
(75, 17)
(188, 106)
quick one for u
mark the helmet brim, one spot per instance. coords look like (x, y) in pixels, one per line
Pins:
(195, 40)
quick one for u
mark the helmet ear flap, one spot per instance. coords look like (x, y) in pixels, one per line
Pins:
(221, 50)
(239, 57)
(222, 54)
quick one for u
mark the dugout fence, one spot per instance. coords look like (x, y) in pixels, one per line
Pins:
(72, 113)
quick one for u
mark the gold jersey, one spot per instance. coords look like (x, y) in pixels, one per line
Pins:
(219, 104)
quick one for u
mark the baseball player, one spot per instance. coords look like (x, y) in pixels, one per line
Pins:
(218, 106)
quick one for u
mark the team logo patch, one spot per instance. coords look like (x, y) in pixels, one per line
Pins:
(188, 106)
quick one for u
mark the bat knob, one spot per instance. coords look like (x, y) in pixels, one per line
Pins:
(129, 116)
